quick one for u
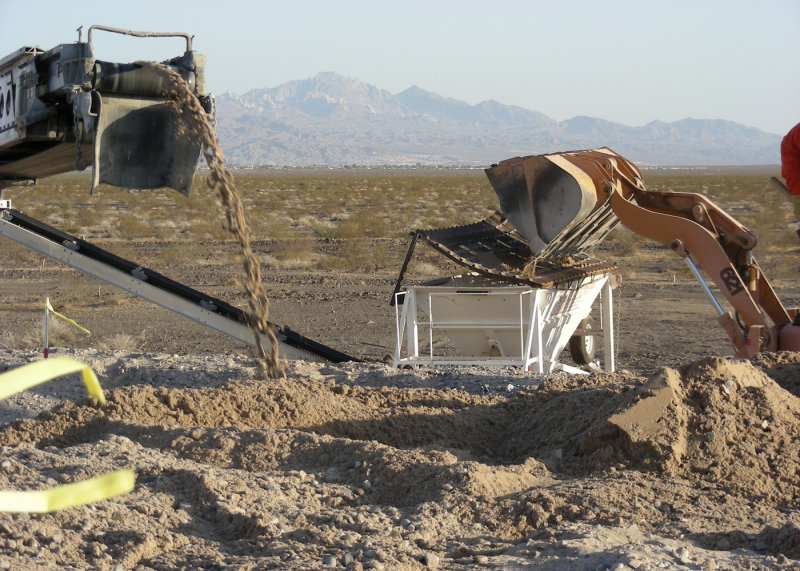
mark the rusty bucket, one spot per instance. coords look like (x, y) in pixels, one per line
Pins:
(559, 202)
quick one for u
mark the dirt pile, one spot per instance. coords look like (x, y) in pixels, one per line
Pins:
(693, 468)
(718, 420)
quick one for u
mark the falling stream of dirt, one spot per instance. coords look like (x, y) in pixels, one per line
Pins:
(195, 122)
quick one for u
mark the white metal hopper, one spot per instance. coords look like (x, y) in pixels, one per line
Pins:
(505, 325)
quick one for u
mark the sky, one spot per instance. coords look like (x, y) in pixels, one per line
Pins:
(627, 61)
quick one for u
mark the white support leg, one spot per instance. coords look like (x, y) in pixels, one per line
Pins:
(412, 336)
(400, 317)
(537, 329)
(607, 314)
(46, 328)
(529, 336)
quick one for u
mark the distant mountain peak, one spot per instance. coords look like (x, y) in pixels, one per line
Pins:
(331, 119)
(416, 89)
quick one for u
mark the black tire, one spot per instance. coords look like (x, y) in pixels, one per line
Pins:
(582, 348)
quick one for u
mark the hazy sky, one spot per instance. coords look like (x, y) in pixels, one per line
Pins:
(626, 61)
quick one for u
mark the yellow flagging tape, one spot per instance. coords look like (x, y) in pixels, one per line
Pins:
(33, 374)
(69, 495)
(63, 318)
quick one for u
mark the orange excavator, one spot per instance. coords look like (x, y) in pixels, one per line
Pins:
(563, 204)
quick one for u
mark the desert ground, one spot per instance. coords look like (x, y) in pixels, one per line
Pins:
(681, 459)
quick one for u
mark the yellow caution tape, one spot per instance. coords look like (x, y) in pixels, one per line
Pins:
(63, 318)
(68, 495)
(33, 374)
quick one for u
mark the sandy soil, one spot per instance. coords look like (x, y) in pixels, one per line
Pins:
(680, 460)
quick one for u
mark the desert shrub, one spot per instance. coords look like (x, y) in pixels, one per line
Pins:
(16, 255)
(423, 269)
(213, 228)
(293, 252)
(180, 252)
(360, 207)
(362, 255)
(60, 334)
(11, 340)
(132, 227)
(120, 342)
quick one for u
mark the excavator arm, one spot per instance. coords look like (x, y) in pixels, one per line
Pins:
(542, 188)
(696, 229)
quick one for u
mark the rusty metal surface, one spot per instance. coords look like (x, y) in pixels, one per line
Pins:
(493, 248)
(559, 202)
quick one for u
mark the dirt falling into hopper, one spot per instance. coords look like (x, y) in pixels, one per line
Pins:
(196, 123)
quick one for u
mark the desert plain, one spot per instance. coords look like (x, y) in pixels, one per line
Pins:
(681, 459)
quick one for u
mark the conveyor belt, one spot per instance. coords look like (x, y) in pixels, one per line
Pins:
(148, 284)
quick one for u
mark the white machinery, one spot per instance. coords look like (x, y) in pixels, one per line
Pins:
(503, 325)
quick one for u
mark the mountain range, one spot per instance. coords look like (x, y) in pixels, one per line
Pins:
(331, 120)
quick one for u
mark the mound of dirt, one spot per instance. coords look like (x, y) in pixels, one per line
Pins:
(339, 466)
(718, 421)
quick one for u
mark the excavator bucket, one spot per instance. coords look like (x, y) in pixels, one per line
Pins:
(63, 110)
(559, 203)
